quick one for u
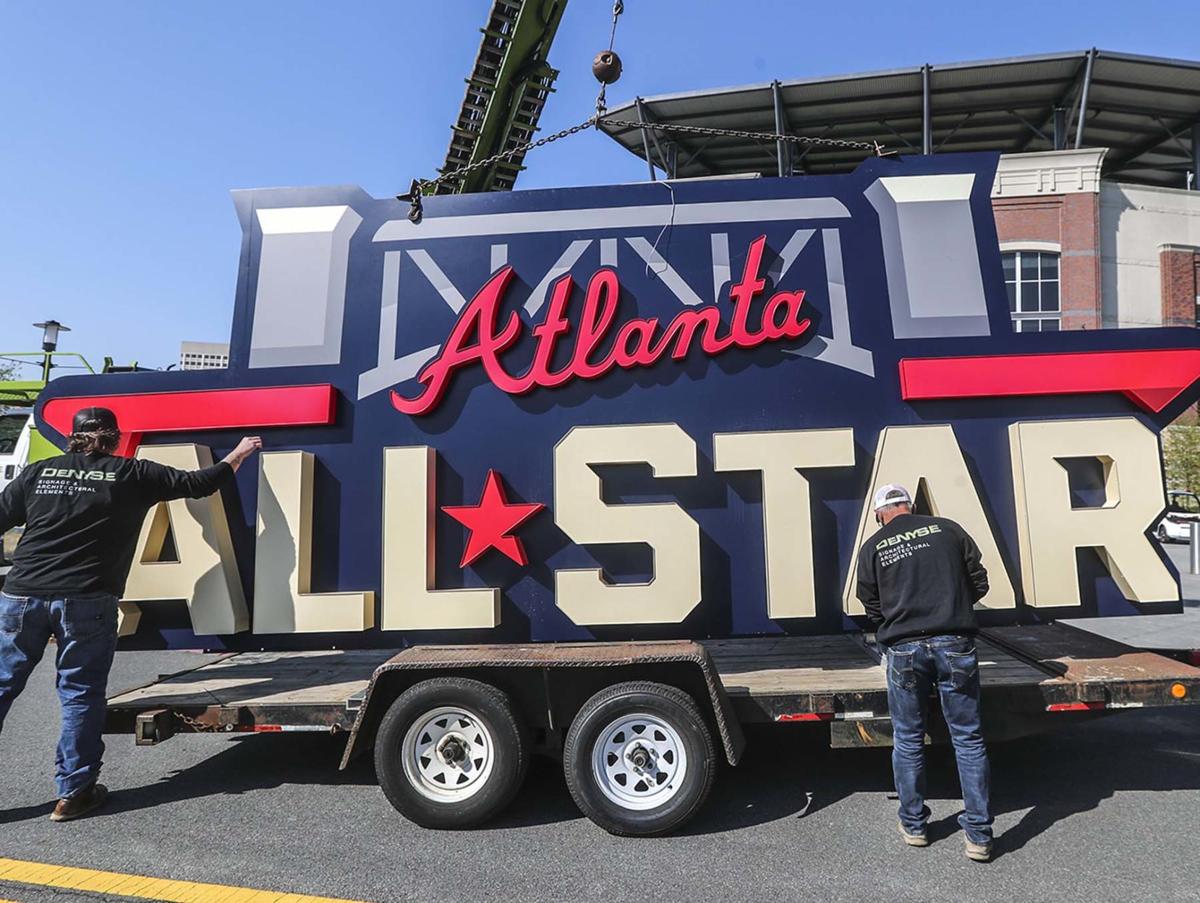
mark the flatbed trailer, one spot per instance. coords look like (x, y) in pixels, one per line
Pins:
(1033, 677)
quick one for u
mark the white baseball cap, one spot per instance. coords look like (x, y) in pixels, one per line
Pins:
(891, 494)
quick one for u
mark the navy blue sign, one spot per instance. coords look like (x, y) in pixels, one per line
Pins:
(500, 323)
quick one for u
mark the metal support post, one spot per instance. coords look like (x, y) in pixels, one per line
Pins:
(1083, 98)
(926, 112)
(1195, 547)
(1060, 128)
(1196, 155)
(781, 147)
(646, 140)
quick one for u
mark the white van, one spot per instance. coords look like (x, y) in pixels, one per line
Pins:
(15, 427)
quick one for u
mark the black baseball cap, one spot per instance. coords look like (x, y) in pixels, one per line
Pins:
(94, 420)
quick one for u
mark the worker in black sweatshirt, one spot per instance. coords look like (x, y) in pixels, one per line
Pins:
(82, 513)
(918, 579)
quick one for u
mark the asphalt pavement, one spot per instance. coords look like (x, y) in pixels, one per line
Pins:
(1094, 811)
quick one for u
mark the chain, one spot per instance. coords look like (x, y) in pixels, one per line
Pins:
(428, 186)
(873, 146)
(421, 187)
(198, 726)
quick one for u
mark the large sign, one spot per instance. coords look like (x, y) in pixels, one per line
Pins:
(649, 410)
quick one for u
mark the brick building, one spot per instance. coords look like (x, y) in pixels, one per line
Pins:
(1096, 201)
(1082, 252)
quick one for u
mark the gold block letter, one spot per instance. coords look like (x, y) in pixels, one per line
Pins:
(409, 506)
(1051, 530)
(927, 460)
(787, 516)
(283, 602)
(128, 618)
(205, 572)
(674, 537)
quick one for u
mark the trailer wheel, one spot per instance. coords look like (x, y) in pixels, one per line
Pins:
(639, 759)
(451, 752)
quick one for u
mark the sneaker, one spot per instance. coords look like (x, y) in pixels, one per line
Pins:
(913, 840)
(979, 852)
(80, 804)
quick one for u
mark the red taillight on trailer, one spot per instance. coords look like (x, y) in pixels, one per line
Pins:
(805, 716)
(1074, 706)
(825, 716)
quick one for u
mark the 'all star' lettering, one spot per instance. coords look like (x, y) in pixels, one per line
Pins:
(639, 342)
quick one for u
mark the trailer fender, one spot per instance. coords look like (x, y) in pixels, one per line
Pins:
(547, 677)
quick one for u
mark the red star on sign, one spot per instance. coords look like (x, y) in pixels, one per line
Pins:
(492, 521)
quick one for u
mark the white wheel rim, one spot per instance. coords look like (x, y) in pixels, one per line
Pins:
(639, 762)
(448, 754)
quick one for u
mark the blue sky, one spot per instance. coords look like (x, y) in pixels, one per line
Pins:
(126, 124)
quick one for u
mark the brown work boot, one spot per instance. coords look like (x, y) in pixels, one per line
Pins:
(81, 804)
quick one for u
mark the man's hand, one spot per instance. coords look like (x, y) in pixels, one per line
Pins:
(248, 446)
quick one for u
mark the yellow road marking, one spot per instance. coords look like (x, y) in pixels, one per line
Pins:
(142, 887)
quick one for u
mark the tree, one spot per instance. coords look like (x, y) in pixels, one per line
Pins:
(1181, 457)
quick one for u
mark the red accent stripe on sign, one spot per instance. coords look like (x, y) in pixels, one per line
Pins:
(1152, 379)
(206, 409)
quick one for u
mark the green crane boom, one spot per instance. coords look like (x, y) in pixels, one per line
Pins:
(506, 92)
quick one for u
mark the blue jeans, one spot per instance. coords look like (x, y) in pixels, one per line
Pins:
(951, 664)
(85, 630)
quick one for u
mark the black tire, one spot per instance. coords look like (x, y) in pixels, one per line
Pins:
(667, 704)
(405, 788)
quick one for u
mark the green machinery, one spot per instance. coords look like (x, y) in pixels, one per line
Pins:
(18, 396)
(508, 87)
(20, 441)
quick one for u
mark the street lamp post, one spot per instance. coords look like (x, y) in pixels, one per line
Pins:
(50, 330)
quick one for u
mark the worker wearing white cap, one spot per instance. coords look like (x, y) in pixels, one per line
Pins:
(918, 579)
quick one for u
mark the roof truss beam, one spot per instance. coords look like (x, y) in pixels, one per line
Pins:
(1121, 160)
(1066, 101)
(953, 131)
(887, 125)
(694, 155)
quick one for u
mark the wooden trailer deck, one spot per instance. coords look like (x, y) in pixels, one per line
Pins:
(1039, 668)
(788, 678)
(292, 690)
(1035, 669)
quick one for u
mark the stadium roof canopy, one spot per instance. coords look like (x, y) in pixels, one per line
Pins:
(1145, 109)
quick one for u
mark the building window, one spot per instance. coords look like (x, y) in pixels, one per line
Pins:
(1031, 278)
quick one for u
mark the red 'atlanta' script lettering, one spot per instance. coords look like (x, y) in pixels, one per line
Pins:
(638, 342)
